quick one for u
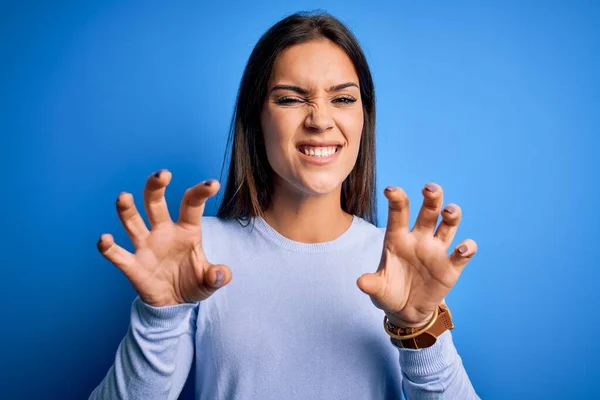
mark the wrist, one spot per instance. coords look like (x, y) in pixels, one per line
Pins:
(402, 323)
(161, 317)
(423, 336)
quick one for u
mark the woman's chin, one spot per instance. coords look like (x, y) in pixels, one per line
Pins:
(321, 188)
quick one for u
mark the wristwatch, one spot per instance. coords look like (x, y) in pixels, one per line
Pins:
(427, 337)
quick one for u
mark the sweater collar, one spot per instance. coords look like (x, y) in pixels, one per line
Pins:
(275, 237)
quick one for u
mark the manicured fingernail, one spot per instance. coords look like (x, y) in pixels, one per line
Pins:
(431, 188)
(209, 182)
(450, 209)
(390, 188)
(99, 244)
(462, 249)
(219, 280)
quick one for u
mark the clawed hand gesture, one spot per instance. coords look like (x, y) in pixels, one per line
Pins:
(169, 266)
(415, 272)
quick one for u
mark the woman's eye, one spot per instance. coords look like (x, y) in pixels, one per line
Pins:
(287, 100)
(345, 100)
(295, 100)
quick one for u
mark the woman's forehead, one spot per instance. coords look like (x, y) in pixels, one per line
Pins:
(314, 63)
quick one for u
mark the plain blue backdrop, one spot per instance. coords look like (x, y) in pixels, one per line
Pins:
(497, 102)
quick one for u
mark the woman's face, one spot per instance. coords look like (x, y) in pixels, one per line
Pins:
(312, 118)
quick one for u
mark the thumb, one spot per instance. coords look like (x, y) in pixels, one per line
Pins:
(371, 284)
(218, 276)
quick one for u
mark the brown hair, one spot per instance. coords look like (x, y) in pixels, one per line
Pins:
(250, 180)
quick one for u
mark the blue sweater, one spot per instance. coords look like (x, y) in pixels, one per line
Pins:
(292, 324)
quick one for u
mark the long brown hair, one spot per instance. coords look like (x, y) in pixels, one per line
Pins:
(250, 181)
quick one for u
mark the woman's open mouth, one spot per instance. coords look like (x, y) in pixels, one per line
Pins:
(319, 155)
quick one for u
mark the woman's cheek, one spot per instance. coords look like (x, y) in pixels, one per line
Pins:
(274, 157)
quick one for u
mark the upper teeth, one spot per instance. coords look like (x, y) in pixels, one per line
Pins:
(318, 151)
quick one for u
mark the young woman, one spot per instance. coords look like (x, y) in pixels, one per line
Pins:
(281, 315)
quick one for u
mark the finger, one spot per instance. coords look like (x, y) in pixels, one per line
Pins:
(132, 220)
(372, 284)
(117, 255)
(154, 197)
(218, 276)
(194, 200)
(430, 210)
(451, 215)
(399, 212)
(463, 253)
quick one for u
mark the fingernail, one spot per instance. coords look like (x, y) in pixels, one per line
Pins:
(390, 188)
(157, 173)
(462, 249)
(431, 188)
(209, 182)
(450, 209)
(99, 243)
(219, 280)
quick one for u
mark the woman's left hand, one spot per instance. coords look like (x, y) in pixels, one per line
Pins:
(415, 272)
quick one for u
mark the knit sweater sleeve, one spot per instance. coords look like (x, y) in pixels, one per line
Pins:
(436, 372)
(155, 356)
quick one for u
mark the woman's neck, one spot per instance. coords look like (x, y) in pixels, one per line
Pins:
(308, 219)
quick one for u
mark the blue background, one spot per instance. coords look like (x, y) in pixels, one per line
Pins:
(499, 103)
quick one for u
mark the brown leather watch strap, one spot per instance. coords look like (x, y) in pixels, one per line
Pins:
(427, 338)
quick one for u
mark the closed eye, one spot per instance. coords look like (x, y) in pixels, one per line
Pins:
(295, 100)
(288, 100)
(344, 100)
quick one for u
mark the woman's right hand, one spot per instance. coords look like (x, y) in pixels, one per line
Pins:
(169, 266)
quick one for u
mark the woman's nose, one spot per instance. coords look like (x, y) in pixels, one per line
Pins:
(319, 119)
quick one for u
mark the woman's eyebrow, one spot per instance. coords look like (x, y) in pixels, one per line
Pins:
(300, 90)
(342, 86)
(292, 88)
